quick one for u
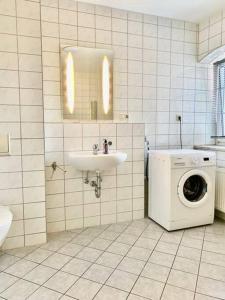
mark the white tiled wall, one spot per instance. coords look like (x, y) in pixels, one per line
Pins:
(22, 178)
(70, 202)
(211, 34)
(156, 76)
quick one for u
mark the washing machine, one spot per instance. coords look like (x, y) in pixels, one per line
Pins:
(181, 188)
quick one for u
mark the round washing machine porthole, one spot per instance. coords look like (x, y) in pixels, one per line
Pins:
(193, 188)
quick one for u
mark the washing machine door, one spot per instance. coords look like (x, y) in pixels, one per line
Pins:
(193, 188)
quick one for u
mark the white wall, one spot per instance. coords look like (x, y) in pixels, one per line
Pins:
(156, 76)
(22, 179)
(71, 203)
(211, 34)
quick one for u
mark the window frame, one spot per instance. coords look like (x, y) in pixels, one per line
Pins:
(220, 139)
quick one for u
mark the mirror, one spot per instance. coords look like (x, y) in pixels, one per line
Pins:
(87, 83)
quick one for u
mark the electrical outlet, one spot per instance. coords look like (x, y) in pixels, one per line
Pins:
(178, 118)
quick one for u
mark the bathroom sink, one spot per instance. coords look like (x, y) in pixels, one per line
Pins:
(84, 161)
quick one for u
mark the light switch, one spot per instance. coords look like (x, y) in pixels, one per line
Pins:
(4, 144)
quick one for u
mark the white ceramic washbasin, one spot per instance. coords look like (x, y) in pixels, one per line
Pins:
(89, 162)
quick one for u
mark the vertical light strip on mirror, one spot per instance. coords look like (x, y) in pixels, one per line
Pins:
(70, 90)
(105, 84)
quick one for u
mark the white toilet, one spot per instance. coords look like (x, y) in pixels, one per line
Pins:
(5, 222)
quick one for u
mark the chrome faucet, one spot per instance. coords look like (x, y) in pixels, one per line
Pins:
(106, 145)
(95, 149)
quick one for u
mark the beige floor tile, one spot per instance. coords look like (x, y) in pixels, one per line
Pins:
(108, 259)
(39, 255)
(212, 271)
(172, 237)
(76, 266)
(83, 240)
(127, 239)
(151, 234)
(63, 236)
(214, 247)
(21, 268)
(204, 297)
(166, 247)
(7, 260)
(6, 280)
(211, 287)
(89, 254)
(193, 243)
(122, 280)
(70, 249)
(56, 261)
(194, 233)
(216, 228)
(109, 293)
(133, 231)
(119, 248)
(100, 244)
(135, 297)
(20, 290)
(213, 258)
(109, 235)
(182, 280)
(148, 288)
(154, 226)
(44, 294)
(155, 272)
(98, 273)
(214, 238)
(61, 282)
(186, 265)
(53, 245)
(139, 253)
(93, 231)
(190, 253)
(162, 259)
(176, 293)
(84, 289)
(131, 265)
(40, 274)
(128, 247)
(21, 252)
(119, 227)
(146, 243)
(64, 297)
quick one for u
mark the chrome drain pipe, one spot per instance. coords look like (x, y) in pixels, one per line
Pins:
(97, 184)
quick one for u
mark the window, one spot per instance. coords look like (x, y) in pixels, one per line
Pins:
(220, 98)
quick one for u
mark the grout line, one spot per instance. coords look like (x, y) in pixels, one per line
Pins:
(20, 121)
(172, 264)
(196, 284)
(144, 264)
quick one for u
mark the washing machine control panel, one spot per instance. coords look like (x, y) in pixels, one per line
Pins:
(197, 160)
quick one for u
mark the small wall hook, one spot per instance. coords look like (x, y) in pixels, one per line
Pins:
(55, 166)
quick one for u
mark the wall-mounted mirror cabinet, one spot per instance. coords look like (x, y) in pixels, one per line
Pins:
(87, 83)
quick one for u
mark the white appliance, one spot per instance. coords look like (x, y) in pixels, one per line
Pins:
(181, 188)
(5, 222)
